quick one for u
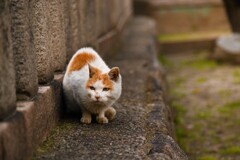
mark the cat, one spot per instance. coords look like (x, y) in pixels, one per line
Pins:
(91, 87)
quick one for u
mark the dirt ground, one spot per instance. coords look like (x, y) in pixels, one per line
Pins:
(205, 97)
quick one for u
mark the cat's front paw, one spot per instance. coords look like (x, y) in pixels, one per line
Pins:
(102, 120)
(110, 113)
(86, 120)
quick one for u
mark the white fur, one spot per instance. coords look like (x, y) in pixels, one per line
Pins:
(78, 97)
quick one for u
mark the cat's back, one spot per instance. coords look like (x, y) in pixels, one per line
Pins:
(82, 58)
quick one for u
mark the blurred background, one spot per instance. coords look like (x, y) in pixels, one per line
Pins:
(200, 49)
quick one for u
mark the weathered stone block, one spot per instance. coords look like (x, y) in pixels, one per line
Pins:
(127, 7)
(228, 49)
(40, 26)
(58, 44)
(42, 114)
(72, 26)
(21, 133)
(26, 73)
(7, 74)
(88, 18)
(104, 18)
(13, 138)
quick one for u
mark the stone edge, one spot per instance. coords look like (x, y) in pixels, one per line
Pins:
(29, 126)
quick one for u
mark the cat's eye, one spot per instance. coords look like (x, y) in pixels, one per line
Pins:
(106, 89)
(92, 88)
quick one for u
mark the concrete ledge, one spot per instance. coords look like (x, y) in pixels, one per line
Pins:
(143, 128)
(21, 133)
(179, 3)
(186, 46)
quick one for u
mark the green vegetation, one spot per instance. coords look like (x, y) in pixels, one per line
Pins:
(206, 112)
(203, 114)
(200, 64)
(164, 60)
(231, 150)
(230, 107)
(201, 80)
(178, 37)
(63, 127)
(225, 93)
(207, 158)
(236, 76)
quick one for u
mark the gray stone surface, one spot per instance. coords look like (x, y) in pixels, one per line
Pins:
(72, 26)
(88, 18)
(7, 73)
(21, 133)
(227, 49)
(58, 37)
(13, 138)
(103, 13)
(40, 26)
(143, 127)
(25, 67)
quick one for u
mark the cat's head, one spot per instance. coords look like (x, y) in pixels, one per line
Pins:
(101, 87)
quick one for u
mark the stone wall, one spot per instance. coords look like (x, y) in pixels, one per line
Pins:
(37, 39)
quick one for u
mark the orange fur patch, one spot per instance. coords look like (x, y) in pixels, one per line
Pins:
(99, 76)
(80, 61)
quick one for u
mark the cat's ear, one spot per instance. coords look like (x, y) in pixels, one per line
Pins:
(114, 73)
(92, 71)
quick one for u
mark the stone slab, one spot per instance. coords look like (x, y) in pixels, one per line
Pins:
(104, 18)
(88, 19)
(21, 133)
(7, 72)
(143, 127)
(40, 26)
(72, 23)
(58, 35)
(187, 15)
(24, 56)
(13, 138)
(227, 49)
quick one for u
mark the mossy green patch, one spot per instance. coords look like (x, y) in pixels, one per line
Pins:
(48, 145)
(179, 81)
(203, 114)
(232, 150)
(236, 76)
(201, 80)
(164, 60)
(230, 107)
(225, 93)
(200, 64)
(207, 158)
(189, 36)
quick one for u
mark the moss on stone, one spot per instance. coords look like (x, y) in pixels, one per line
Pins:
(200, 64)
(206, 111)
(236, 76)
(232, 150)
(207, 158)
(230, 107)
(52, 139)
(189, 36)
(201, 80)
(164, 60)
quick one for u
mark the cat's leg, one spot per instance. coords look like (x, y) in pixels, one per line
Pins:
(110, 113)
(86, 117)
(101, 118)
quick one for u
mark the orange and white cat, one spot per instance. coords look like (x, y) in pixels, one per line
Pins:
(91, 86)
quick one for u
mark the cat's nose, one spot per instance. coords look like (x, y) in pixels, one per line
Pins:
(97, 97)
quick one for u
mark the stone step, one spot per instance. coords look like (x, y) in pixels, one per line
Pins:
(143, 128)
(179, 16)
(188, 42)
